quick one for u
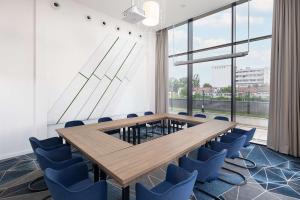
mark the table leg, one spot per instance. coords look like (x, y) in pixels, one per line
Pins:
(139, 134)
(128, 134)
(134, 135)
(103, 175)
(177, 126)
(169, 126)
(125, 193)
(96, 172)
(173, 126)
(163, 126)
(124, 134)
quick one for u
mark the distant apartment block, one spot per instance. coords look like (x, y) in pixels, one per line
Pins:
(245, 77)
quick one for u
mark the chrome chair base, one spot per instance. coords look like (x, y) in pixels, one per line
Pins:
(252, 166)
(208, 194)
(32, 189)
(244, 182)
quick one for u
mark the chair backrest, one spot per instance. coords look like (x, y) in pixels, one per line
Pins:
(250, 135)
(182, 113)
(74, 123)
(132, 115)
(236, 145)
(104, 119)
(222, 118)
(200, 115)
(208, 164)
(49, 159)
(35, 143)
(183, 183)
(59, 180)
(149, 113)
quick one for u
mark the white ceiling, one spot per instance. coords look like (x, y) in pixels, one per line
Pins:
(172, 11)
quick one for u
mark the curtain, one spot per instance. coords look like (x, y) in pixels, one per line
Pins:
(161, 72)
(284, 121)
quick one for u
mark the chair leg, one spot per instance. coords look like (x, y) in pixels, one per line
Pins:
(252, 166)
(47, 197)
(241, 175)
(209, 194)
(30, 187)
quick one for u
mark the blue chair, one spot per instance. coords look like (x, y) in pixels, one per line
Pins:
(177, 123)
(233, 147)
(47, 144)
(59, 158)
(133, 115)
(200, 115)
(178, 185)
(74, 123)
(153, 124)
(111, 132)
(73, 183)
(208, 165)
(222, 118)
(236, 133)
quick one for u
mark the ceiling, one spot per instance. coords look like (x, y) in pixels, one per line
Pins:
(172, 11)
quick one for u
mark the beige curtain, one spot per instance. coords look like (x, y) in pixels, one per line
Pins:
(161, 72)
(284, 121)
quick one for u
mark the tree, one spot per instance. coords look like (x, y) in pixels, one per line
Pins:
(207, 85)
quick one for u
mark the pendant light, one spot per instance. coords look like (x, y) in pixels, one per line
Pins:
(151, 9)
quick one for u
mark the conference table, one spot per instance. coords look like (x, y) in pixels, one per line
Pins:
(126, 162)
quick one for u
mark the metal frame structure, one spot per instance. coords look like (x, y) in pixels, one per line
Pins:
(189, 53)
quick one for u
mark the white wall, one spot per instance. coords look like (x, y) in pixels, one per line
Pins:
(64, 42)
(16, 76)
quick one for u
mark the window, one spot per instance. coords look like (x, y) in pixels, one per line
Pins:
(209, 85)
(212, 30)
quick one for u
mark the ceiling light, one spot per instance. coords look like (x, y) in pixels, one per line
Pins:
(151, 9)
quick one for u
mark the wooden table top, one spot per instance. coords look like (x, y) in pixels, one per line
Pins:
(128, 164)
(125, 162)
(120, 123)
(95, 144)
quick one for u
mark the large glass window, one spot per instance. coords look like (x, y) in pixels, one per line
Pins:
(212, 30)
(212, 83)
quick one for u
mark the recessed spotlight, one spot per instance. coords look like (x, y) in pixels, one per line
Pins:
(129, 32)
(88, 17)
(103, 23)
(140, 36)
(55, 4)
(118, 28)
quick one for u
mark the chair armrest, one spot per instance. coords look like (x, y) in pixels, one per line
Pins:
(142, 193)
(68, 163)
(97, 191)
(219, 146)
(227, 139)
(72, 174)
(238, 130)
(191, 165)
(50, 142)
(205, 153)
(60, 154)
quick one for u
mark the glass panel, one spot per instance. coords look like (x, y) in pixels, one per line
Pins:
(260, 19)
(212, 30)
(253, 85)
(177, 86)
(212, 85)
(178, 39)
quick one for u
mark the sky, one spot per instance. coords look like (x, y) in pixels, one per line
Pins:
(215, 30)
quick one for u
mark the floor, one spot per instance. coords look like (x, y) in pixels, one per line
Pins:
(276, 176)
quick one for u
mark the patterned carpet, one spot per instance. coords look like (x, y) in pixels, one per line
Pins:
(276, 176)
